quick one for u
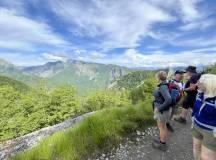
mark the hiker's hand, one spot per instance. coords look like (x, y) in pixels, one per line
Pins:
(156, 109)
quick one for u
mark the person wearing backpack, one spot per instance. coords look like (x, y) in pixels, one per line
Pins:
(191, 92)
(162, 109)
(177, 80)
(204, 119)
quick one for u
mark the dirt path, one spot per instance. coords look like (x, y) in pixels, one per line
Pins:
(139, 147)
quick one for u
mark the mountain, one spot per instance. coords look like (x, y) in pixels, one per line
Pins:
(47, 70)
(131, 80)
(85, 76)
(9, 70)
(17, 85)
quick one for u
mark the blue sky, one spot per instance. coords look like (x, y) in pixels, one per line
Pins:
(138, 33)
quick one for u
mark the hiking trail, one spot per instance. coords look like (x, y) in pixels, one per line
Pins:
(139, 146)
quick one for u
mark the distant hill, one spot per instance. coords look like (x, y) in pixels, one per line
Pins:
(17, 85)
(85, 76)
(9, 70)
(211, 69)
(47, 70)
(131, 80)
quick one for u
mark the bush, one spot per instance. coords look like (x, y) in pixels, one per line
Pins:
(144, 91)
(102, 130)
(104, 99)
(22, 113)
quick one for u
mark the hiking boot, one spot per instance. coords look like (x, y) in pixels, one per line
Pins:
(159, 146)
(156, 139)
(180, 119)
(169, 127)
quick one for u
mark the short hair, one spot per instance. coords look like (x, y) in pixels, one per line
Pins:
(161, 75)
(209, 83)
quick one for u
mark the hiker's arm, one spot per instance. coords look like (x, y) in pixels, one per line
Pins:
(191, 88)
(193, 84)
(167, 98)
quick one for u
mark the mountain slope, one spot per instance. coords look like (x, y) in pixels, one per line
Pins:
(17, 85)
(9, 70)
(84, 75)
(47, 70)
(131, 80)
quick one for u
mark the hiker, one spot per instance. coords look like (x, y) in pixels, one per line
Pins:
(204, 119)
(177, 79)
(162, 109)
(191, 92)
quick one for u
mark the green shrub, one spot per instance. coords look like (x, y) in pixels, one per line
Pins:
(104, 99)
(102, 130)
(22, 113)
(144, 91)
(211, 69)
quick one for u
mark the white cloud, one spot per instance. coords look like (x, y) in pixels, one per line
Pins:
(200, 25)
(186, 10)
(20, 59)
(21, 33)
(132, 58)
(118, 23)
(55, 57)
(97, 55)
(123, 24)
(201, 42)
(189, 10)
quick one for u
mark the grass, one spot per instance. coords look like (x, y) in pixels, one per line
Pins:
(98, 132)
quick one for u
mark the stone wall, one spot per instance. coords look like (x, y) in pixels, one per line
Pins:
(20, 144)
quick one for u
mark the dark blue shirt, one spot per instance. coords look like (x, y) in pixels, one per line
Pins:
(193, 80)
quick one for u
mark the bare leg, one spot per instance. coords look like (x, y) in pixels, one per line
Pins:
(207, 154)
(184, 113)
(163, 131)
(197, 144)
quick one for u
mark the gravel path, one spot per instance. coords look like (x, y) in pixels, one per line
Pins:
(139, 146)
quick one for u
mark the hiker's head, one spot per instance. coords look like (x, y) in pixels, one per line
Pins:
(178, 75)
(207, 85)
(190, 70)
(161, 76)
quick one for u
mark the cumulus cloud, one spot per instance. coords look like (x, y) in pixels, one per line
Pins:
(133, 58)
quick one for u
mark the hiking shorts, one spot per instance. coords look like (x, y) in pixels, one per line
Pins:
(207, 137)
(163, 117)
(189, 102)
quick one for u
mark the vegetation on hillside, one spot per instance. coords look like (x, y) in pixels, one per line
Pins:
(22, 113)
(18, 86)
(102, 130)
(132, 80)
(211, 69)
(143, 92)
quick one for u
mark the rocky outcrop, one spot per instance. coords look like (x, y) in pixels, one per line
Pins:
(20, 144)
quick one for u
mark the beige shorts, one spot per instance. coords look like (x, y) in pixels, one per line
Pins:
(163, 117)
(207, 138)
